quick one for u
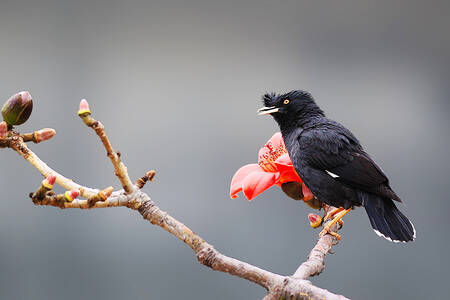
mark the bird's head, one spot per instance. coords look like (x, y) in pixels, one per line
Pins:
(295, 107)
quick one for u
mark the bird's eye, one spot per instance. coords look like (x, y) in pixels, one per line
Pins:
(286, 101)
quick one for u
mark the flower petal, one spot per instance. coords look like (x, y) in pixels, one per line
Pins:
(263, 153)
(284, 160)
(289, 175)
(269, 148)
(307, 195)
(277, 140)
(287, 170)
(239, 176)
(285, 167)
(273, 148)
(257, 182)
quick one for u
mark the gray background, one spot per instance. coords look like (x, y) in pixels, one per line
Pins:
(177, 84)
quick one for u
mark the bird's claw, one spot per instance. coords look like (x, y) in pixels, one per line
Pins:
(332, 213)
(327, 230)
(337, 219)
(341, 224)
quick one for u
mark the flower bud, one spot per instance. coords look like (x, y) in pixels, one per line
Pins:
(84, 108)
(71, 195)
(43, 134)
(17, 109)
(314, 220)
(49, 181)
(3, 129)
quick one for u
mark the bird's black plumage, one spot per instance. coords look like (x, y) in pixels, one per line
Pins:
(333, 164)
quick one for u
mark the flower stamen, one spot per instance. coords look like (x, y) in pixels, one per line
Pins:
(269, 155)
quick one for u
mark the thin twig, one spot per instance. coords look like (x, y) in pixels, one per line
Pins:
(118, 198)
(119, 168)
(17, 144)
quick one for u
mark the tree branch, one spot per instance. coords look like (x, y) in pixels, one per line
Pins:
(315, 263)
(277, 286)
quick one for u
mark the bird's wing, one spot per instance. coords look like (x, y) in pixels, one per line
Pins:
(336, 151)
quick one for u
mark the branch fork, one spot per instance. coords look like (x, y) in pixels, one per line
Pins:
(278, 286)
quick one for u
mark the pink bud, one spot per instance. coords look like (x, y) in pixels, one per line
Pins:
(74, 193)
(3, 129)
(314, 220)
(51, 179)
(44, 134)
(71, 195)
(84, 110)
(84, 105)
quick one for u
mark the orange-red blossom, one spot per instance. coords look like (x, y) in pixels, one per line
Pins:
(274, 167)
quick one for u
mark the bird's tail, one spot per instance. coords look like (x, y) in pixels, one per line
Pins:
(387, 220)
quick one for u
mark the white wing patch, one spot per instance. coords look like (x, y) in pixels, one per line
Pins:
(332, 174)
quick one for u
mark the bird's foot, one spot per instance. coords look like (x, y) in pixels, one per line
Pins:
(331, 214)
(327, 228)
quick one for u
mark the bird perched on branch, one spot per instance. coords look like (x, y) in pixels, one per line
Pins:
(334, 166)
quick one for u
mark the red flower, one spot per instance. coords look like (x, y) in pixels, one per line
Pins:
(274, 167)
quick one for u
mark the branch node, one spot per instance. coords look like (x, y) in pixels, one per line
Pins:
(100, 196)
(207, 256)
(147, 209)
(46, 186)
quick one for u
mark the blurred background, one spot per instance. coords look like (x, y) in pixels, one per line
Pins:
(177, 85)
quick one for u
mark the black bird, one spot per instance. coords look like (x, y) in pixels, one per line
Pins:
(334, 166)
